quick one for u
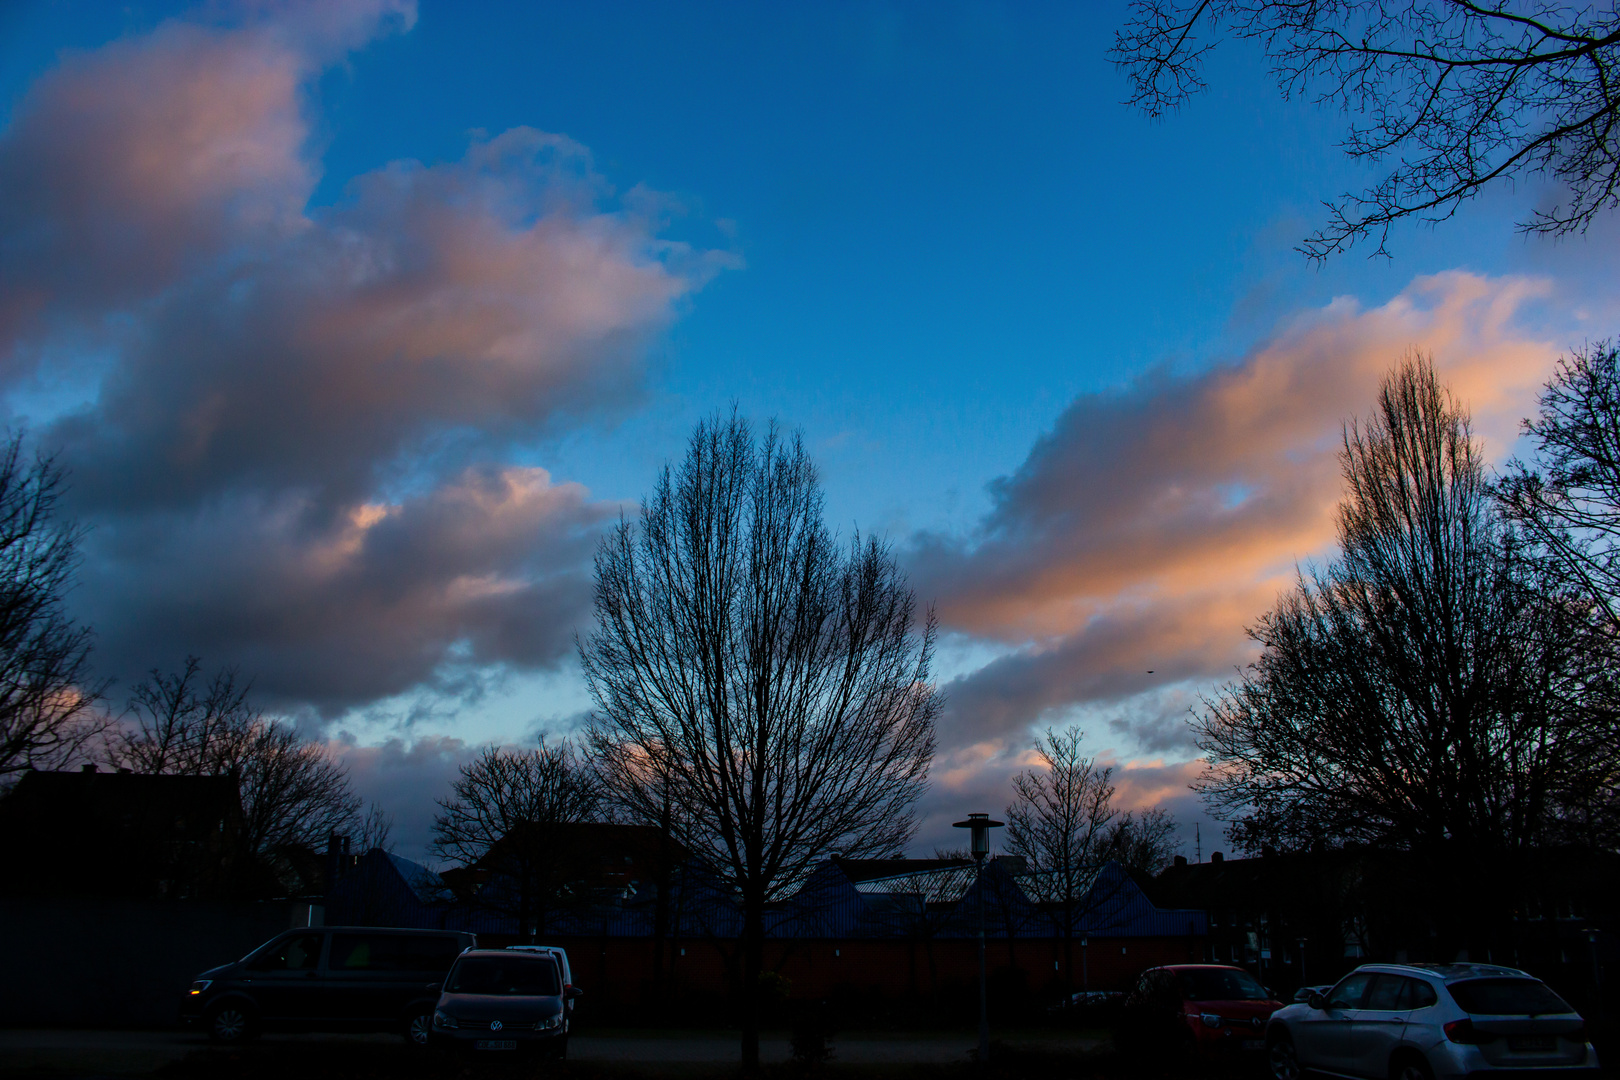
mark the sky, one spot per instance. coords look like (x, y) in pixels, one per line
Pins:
(355, 322)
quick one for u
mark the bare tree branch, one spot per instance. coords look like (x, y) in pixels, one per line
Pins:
(48, 694)
(759, 688)
(1464, 94)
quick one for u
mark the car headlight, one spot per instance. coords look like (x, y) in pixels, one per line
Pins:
(444, 1021)
(200, 985)
(549, 1023)
(1212, 1020)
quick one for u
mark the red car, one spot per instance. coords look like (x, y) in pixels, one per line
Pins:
(1200, 1009)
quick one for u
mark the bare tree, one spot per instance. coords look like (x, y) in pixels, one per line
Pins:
(375, 829)
(504, 811)
(1568, 499)
(1430, 688)
(1143, 840)
(48, 694)
(293, 793)
(1059, 822)
(768, 683)
(1567, 502)
(1461, 93)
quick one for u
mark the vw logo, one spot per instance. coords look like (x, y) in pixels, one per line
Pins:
(494, 1025)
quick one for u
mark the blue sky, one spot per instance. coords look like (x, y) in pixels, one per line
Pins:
(928, 234)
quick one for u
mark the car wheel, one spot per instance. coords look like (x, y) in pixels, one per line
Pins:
(1283, 1059)
(561, 1052)
(1410, 1067)
(419, 1029)
(230, 1023)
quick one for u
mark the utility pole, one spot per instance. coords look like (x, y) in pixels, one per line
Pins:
(980, 824)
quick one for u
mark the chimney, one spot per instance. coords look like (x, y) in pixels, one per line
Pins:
(1181, 860)
(1216, 857)
(87, 768)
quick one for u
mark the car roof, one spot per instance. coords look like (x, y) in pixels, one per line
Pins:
(409, 930)
(1450, 973)
(498, 954)
(1200, 967)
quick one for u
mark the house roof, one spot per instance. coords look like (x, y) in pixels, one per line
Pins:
(859, 870)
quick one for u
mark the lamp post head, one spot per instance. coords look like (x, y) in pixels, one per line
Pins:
(980, 825)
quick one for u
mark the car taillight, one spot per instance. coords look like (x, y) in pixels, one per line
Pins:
(1463, 1031)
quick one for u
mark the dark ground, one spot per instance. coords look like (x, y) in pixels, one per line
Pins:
(627, 1055)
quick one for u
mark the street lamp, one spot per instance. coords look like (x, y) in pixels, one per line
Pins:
(980, 824)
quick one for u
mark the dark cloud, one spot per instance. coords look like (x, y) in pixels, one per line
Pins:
(491, 568)
(294, 444)
(405, 780)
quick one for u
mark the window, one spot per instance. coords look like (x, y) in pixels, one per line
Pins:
(1507, 997)
(300, 953)
(1385, 993)
(1221, 984)
(516, 976)
(1348, 994)
(1416, 994)
(392, 952)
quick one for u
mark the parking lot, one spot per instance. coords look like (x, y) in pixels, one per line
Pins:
(354, 1057)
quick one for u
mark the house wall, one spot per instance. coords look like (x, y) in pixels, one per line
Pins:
(617, 973)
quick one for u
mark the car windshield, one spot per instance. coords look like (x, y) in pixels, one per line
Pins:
(508, 976)
(1507, 997)
(1221, 984)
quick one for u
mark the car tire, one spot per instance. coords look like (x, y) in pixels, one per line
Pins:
(1410, 1067)
(231, 1022)
(560, 1051)
(1282, 1059)
(418, 1030)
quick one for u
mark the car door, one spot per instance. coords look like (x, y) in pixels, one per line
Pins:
(284, 979)
(1322, 1036)
(1376, 1027)
(361, 981)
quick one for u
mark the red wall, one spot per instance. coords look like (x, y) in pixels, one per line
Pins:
(619, 969)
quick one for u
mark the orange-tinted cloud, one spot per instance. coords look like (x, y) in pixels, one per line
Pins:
(293, 416)
(1155, 521)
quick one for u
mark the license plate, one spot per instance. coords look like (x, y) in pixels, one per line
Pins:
(495, 1044)
(1254, 1044)
(1532, 1042)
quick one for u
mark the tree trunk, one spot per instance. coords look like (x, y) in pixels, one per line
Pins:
(753, 962)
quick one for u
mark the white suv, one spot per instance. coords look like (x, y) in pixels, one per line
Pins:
(1428, 1022)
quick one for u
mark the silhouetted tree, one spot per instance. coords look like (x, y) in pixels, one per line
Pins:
(293, 793)
(1459, 93)
(48, 694)
(1059, 822)
(1567, 501)
(1429, 688)
(505, 811)
(768, 683)
(1143, 840)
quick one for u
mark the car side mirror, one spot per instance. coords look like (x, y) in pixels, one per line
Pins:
(573, 993)
(1316, 1001)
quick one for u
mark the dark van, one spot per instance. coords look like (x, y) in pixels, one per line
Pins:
(335, 978)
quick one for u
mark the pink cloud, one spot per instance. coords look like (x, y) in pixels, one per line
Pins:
(1154, 522)
(295, 443)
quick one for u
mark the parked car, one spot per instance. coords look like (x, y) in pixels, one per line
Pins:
(558, 953)
(497, 1000)
(1304, 993)
(1430, 1022)
(1194, 1009)
(339, 978)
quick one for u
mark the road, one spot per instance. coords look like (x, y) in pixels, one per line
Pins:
(132, 1053)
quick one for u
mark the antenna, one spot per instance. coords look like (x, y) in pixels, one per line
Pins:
(1198, 843)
